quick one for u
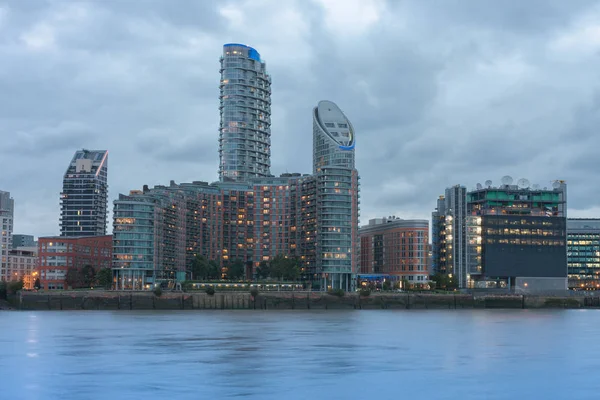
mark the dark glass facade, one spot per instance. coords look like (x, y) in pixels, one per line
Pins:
(523, 246)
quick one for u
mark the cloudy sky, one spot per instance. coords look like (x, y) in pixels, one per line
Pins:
(440, 92)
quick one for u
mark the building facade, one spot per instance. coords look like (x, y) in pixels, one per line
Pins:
(449, 229)
(337, 197)
(159, 231)
(395, 248)
(245, 109)
(249, 215)
(22, 265)
(7, 206)
(583, 253)
(19, 240)
(516, 237)
(438, 237)
(84, 198)
(58, 253)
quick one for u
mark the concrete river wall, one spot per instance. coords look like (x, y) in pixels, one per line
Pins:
(99, 300)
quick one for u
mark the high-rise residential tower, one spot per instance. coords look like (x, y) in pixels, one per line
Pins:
(84, 199)
(337, 194)
(438, 237)
(449, 230)
(245, 108)
(7, 206)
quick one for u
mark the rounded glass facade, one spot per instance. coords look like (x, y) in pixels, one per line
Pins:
(245, 109)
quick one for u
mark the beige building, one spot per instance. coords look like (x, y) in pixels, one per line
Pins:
(22, 264)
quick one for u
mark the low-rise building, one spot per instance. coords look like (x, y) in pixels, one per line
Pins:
(395, 249)
(22, 266)
(57, 254)
(583, 253)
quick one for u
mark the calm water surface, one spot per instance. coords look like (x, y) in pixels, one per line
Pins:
(482, 354)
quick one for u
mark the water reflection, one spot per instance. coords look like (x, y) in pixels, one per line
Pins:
(491, 354)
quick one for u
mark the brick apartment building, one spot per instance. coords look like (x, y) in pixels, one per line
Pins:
(57, 254)
(395, 249)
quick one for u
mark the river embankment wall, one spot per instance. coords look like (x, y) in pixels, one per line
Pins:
(111, 300)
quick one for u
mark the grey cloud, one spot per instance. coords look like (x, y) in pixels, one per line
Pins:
(439, 93)
(46, 139)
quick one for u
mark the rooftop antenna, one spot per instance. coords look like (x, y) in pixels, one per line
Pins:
(507, 180)
(556, 184)
(536, 186)
(479, 187)
(488, 183)
(523, 183)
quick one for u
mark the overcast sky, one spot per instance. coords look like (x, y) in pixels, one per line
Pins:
(440, 92)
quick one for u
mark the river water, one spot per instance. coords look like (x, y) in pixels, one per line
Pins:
(457, 354)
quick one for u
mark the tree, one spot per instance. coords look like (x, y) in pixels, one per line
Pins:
(72, 277)
(283, 267)
(443, 281)
(387, 285)
(214, 271)
(37, 284)
(236, 269)
(15, 286)
(200, 268)
(104, 278)
(87, 276)
(263, 271)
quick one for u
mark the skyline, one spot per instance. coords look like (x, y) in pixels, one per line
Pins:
(428, 114)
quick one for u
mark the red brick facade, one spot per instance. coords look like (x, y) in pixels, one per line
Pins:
(57, 254)
(397, 248)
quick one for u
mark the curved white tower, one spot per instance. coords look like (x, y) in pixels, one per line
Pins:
(245, 128)
(337, 197)
(333, 137)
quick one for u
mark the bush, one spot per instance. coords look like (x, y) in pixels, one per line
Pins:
(254, 292)
(337, 292)
(157, 291)
(3, 290)
(210, 290)
(365, 292)
(14, 287)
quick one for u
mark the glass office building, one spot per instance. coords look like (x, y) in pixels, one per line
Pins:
(583, 253)
(516, 237)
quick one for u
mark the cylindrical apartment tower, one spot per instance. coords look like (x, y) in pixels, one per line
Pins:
(337, 197)
(245, 128)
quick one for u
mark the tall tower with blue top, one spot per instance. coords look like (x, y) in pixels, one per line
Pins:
(245, 111)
